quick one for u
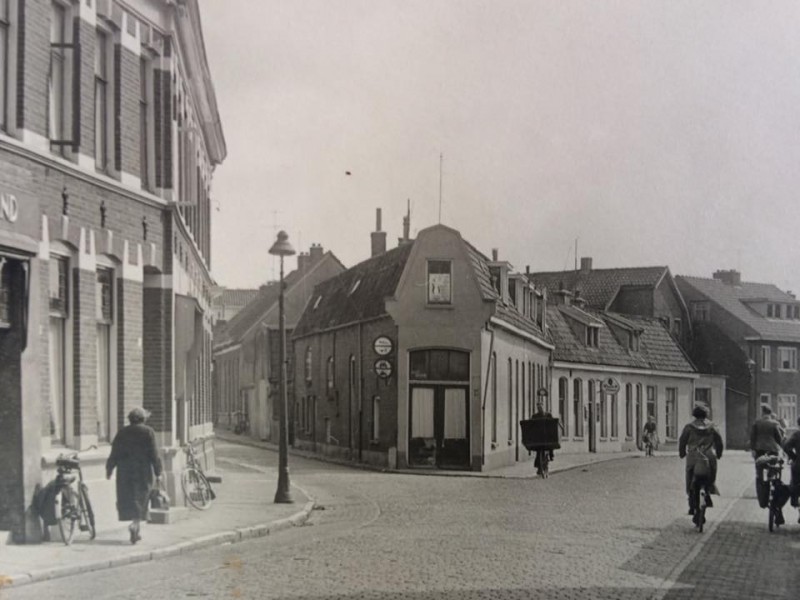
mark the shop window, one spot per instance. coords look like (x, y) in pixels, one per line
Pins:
(439, 282)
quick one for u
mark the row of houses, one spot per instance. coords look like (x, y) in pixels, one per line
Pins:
(429, 354)
(109, 136)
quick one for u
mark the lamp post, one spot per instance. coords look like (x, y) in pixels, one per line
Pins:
(752, 405)
(282, 248)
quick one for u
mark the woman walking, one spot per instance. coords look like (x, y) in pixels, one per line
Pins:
(135, 456)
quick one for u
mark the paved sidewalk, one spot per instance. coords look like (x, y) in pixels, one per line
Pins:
(243, 509)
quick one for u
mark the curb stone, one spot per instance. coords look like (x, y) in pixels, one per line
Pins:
(205, 541)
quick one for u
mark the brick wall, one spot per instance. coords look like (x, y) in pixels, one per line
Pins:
(157, 352)
(34, 52)
(130, 368)
(85, 113)
(128, 92)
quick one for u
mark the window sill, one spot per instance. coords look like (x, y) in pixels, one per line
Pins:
(439, 306)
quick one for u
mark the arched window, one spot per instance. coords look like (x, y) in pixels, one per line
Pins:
(563, 406)
(577, 405)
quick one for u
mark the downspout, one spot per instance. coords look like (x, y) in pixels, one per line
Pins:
(485, 393)
(360, 389)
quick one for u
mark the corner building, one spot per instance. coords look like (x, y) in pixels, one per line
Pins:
(110, 135)
(424, 356)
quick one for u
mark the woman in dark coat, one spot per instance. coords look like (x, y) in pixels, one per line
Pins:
(135, 456)
(700, 442)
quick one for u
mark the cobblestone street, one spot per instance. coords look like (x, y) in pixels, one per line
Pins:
(613, 530)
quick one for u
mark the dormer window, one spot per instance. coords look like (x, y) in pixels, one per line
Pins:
(592, 336)
(633, 341)
(494, 272)
(512, 291)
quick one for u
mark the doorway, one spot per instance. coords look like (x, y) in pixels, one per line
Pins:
(439, 427)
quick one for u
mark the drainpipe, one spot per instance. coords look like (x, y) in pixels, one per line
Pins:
(360, 389)
(485, 393)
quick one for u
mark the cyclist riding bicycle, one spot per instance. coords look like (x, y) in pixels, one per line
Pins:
(650, 435)
(540, 458)
(701, 444)
(766, 437)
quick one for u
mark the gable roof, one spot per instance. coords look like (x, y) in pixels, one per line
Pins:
(599, 287)
(268, 295)
(658, 350)
(335, 302)
(733, 299)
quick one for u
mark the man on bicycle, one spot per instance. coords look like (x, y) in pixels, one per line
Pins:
(650, 435)
(792, 449)
(701, 444)
(541, 414)
(766, 437)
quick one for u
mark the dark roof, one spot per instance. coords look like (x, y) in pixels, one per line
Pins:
(658, 350)
(235, 297)
(334, 302)
(734, 298)
(599, 287)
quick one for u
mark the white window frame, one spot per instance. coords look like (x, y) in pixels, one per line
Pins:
(787, 408)
(61, 122)
(147, 148)
(110, 321)
(436, 285)
(792, 352)
(61, 252)
(766, 356)
(671, 413)
(105, 164)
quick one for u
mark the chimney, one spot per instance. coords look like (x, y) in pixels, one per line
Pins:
(563, 295)
(314, 254)
(302, 262)
(378, 237)
(586, 264)
(406, 227)
(495, 254)
(731, 277)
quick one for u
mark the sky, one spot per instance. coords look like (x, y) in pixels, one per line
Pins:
(652, 132)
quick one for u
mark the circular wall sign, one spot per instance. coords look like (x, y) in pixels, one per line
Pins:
(383, 368)
(382, 345)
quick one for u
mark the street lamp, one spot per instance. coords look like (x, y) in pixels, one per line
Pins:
(282, 248)
(752, 404)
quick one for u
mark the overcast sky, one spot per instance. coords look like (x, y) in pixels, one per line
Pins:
(654, 132)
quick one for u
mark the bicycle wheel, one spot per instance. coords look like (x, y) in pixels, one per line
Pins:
(87, 511)
(65, 513)
(196, 488)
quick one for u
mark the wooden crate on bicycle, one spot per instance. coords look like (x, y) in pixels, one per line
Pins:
(540, 433)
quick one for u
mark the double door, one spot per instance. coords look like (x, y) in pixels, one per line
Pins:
(439, 426)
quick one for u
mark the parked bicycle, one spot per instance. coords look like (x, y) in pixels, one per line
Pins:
(196, 488)
(72, 504)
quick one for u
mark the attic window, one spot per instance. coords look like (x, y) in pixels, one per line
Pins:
(316, 303)
(355, 287)
(633, 341)
(592, 336)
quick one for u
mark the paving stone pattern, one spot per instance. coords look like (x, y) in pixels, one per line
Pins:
(613, 530)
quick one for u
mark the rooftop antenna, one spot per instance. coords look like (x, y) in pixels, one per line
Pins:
(441, 159)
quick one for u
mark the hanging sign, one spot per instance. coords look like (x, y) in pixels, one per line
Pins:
(383, 368)
(610, 385)
(382, 345)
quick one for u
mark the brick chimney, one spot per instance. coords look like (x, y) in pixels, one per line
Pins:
(302, 262)
(378, 237)
(730, 277)
(406, 227)
(586, 264)
(314, 254)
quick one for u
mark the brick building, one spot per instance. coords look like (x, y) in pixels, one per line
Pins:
(246, 349)
(749, 332)
(425, 355)
(110, 135)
